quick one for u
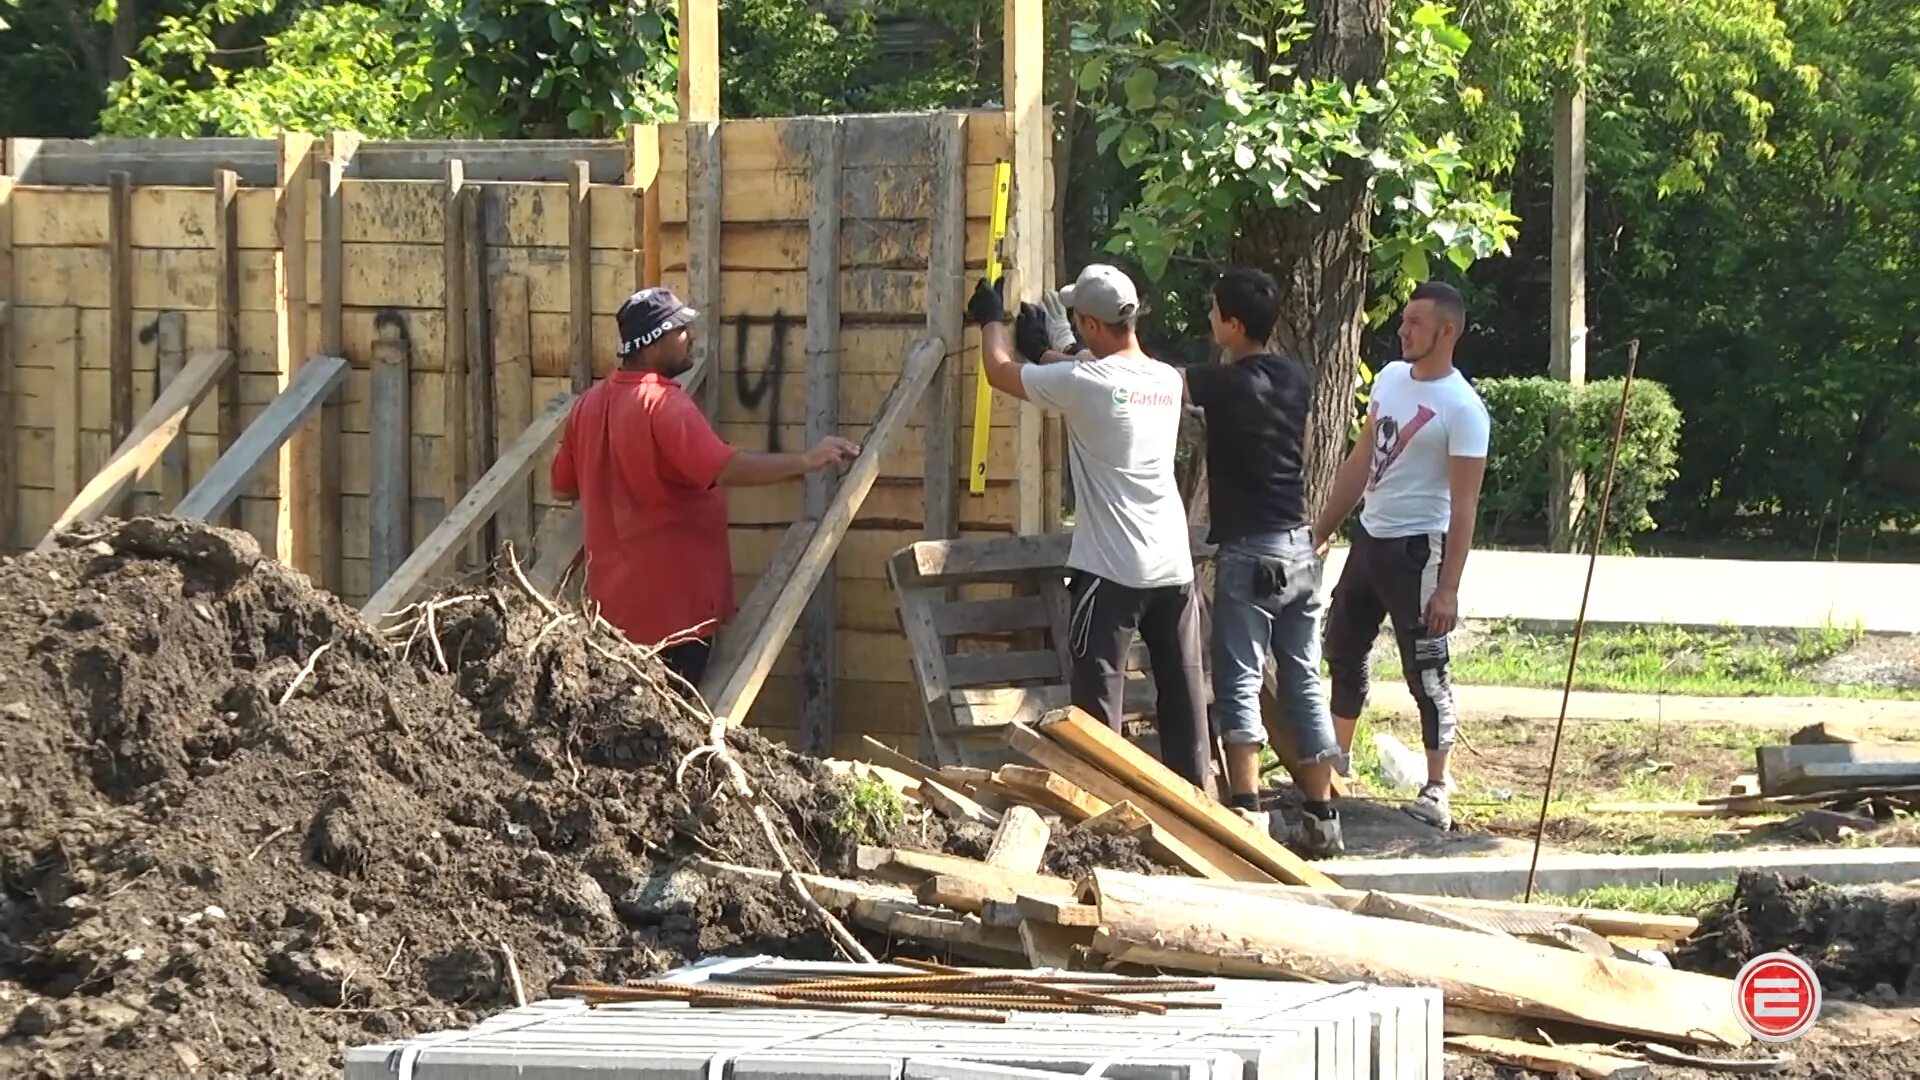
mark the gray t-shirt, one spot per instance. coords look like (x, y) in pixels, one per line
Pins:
(1123, 424)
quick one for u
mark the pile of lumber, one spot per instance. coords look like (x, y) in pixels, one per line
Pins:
(1571, 988)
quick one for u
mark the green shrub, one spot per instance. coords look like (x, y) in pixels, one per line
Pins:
(1524, 439)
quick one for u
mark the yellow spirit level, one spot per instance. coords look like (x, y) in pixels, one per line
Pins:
(983, 393)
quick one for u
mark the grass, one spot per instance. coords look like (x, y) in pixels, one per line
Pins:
(872, 813)
(1655, 659)
(1689, 900)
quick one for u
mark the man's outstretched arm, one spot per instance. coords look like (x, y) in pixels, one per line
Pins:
(987, 308)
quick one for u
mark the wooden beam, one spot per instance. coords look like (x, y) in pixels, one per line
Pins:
(946, 311)
(120, 326)
(822, 138)
(1024, 65)
(473, 511)
(1021, 841)
(158, 430)
(390, 454)
(478, 309)
(170, 357)
(1801, 770)
(1586, 1062)
(65, 413)
(731, 692)
(1567, 356)
(643, 174)
(907, 862)
(579, 277)
(455, 420)
(1279, 938)
(292, 472)
(226, 320)
(1137, 769)
(513, 401)
(9, 402)
(324, 522)
(704, 169)
(699, 26)
(217, 490)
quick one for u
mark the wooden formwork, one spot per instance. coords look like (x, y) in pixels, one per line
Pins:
(470, 284)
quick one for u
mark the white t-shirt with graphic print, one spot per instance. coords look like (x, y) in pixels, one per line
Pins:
(1417, 426)
(1123, 426)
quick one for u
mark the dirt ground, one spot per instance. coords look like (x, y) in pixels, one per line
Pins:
(209, 869)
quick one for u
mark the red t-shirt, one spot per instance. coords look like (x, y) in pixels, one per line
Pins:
(643, 462)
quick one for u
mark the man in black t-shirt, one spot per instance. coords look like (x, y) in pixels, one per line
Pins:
(1266, 573)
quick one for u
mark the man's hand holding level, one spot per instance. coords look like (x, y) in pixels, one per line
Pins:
(989, 302)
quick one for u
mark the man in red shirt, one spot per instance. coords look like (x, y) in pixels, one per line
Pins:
(647, 470)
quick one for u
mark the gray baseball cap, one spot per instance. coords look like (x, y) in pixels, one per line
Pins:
(1103, 292)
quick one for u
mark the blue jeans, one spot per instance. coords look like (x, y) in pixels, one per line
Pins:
(1267, 597)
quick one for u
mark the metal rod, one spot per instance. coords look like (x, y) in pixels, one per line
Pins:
(1580, 623)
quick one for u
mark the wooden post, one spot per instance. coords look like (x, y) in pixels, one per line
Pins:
(580, 276)
(66, 416)
(513, 402)
(479, 361)
(324, 512)
(703, 251)
(699, 60)
(170, 358)
(643, 172)
(1568, 359)
(292, 332)
(226, 324)
(1024, 64)
(823, 142)
(946, 319)
(390, 456)
(9, 401)
(120, 329)
(454, 425)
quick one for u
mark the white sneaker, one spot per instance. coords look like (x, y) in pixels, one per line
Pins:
(1259, 819)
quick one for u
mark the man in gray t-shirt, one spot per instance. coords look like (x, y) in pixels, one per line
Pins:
(1131, 562)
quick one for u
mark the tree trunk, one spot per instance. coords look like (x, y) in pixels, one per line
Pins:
(1321, 259)
(126, 37)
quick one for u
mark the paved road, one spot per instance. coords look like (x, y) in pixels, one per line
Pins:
(1499, 702)
(1532, 585)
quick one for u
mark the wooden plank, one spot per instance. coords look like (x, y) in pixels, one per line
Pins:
(9, 393)
(1051, 791)
(292, 471)
(1800, 770)
(880, 753)
(946, 300)
(453, 478)
(917, 865)
(479, 505)
(643, 172)
(156, 431)
(1183, 843)
(1278, 938)
(1001, 668)
(65, 411)
(513, 401)
(222, 484)
(1023, 59)
(1053, 946)
(1021, 841)
(171, 357)
(580, 277)
(962, 894)
(703, 185)
(226, 332)
(325, 513)
(120, 337)
(730, 693)
(998, 615)
(699, 80)
(479, 361)
(823, 139)
(953, 804)
(390, 448)
(1111, 752)
(1587, 1062)
(1011, 558)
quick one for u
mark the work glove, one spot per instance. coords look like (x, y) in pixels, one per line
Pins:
(988, 303)
(1030, 337)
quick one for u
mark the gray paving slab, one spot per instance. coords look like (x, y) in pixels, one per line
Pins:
(1505, 877)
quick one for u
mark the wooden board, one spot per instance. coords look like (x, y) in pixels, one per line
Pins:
(918, 865)
(315, 382)
(120, 340)
(1021, 841)
(1280, 938)
(1799, 770)
(1100, 745)
(823, 138)
(1587, 1062)
(144, 445)
(9, 399)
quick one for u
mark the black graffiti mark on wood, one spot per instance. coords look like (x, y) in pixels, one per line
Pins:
(767, 388)
(390, 325)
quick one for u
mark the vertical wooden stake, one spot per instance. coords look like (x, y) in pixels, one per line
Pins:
(580, 276)
(1024, 60)
(453, 442)
(170, 357)
(643, 172)
(226, 324)
(699, 60)
(390, 454)
(946, 299)
(480, 441)
(823, 141)
(513, 403)
(66, 417)
(328, 541)
(291, 472)
(120, 331)
(1567, 359)
(703, 254)
(10, 538)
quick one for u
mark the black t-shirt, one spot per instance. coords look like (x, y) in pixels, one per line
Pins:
(1257, 412)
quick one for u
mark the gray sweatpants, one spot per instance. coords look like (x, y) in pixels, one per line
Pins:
(1105, 616)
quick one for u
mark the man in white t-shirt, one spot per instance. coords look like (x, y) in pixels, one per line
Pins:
(1419, 463)
(1131, 560)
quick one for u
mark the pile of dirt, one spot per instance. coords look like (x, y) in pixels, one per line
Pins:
(1075, 852)
(211, 869)
(1862, 940)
